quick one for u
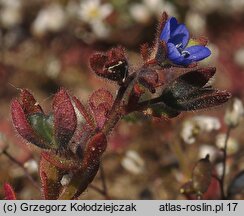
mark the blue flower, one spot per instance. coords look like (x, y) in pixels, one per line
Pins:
(177, 36)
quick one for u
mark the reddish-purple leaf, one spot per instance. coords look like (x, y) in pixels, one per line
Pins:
(22, 125)
(97, 62)
(94, 150)
(214, 190)
(28, 102)
(65, 121)
(100, 104)
(9, 192)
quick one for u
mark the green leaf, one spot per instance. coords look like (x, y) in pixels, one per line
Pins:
(44, 127)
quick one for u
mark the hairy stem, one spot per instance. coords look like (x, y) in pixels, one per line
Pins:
(117, 111)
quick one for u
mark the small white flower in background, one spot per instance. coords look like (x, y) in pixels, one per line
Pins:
(219, 168)
(192, 127)
(207, 6)
(239, 57)
(154, 5)
(133, 163)
(100, 29)
(140, 13)
(31, 166)
(10, 14)
(94, 13)
(196, 22)
(169, 8)
(188, 132)
(144, 11)
(53, 67)
(92, 10)
(157, 6)
(207, 123)
(49, 19)
(232, 144)
(207, 150)
(66, 179)
(234, 113)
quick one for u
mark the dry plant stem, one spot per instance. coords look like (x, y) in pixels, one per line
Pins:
(104, 184)
(152, 101)
(104, 190)
(222, 179)
(23, 168)
(97, 189)
(100, 191)
(144, 104)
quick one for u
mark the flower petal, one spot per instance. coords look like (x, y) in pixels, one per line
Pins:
(197, 53)
(175, 56)
(169, 27)
(180, 36)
